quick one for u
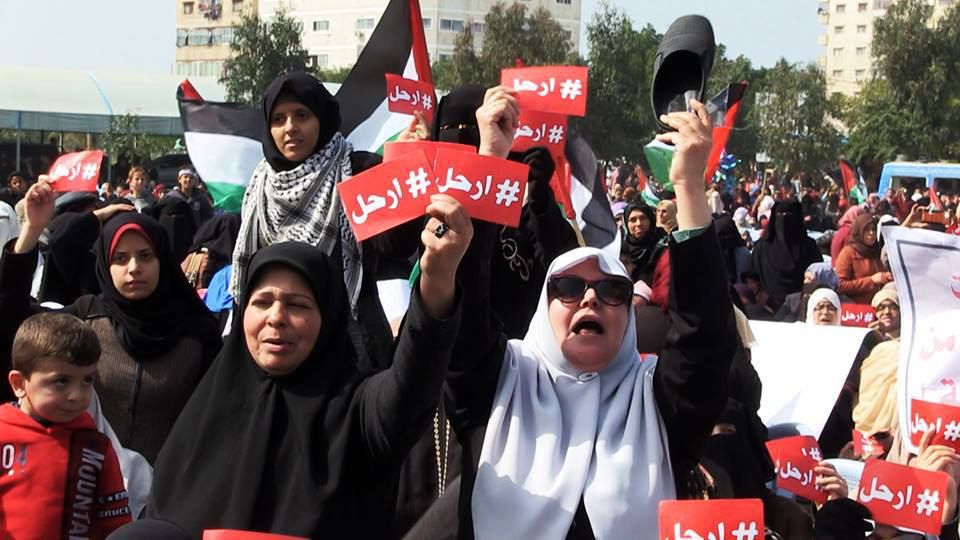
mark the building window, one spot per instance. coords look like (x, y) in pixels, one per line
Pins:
(837, 51)
(837, 29)
(182, 34)
(365, 24)
(322, 61)
(321, 26)
(199, 37)
(427, 22)
(188, 8)
(565, 2)
(881, 4)
(837, 73)
(478, 28)
(445, 56)
(222, 36)
(861, 29)
(946, 2)
(568, 34)
(452, 25)
(862, 7)
(237, 6)
(841, 8)
(860, 74)
(861, 51)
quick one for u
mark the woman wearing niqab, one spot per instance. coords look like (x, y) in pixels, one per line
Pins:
(782, 256)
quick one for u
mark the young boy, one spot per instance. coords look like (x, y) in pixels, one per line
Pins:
(59, 476)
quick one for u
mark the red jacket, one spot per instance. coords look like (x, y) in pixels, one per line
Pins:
(61, 481)
(855, 271)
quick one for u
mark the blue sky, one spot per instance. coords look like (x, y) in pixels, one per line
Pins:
(139, 35)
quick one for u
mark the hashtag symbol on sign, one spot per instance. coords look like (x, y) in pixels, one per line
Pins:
(952, 431)
(743, 533)
(571, 89)
(89, 170)
(418, 183)
(928, 503)
(555, 135)
(427, 102)
(507, 192)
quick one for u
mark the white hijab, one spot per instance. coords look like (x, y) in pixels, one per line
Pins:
(556, 434)
(9, 224)
(819, 295)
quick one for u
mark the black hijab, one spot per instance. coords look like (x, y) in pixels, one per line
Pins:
(218, 235)
(149, 327)
(313, 95)
(456, 117)
(176, 219)
(783, 254)
(263, 453)
(642, 250)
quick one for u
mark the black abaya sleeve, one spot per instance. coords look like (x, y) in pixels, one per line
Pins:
(549, 233)
(395, 404)
(16, 276)
(691, 378)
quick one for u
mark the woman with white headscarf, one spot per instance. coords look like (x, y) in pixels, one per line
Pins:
(823, 308)
(569, 432)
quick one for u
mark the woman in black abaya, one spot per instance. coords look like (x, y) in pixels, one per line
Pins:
(286, 434)
(782, 256)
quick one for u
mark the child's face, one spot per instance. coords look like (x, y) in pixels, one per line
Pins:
(56, 391)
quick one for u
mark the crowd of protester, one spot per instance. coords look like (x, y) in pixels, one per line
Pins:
(238, 371)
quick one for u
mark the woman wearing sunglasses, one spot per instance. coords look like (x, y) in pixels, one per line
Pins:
(569, 432)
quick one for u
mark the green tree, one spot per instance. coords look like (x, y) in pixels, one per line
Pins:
(913, 108)
(794, 117)
(334, 75)
(619, 119)
(124, 137)
(261, 50)
(510, 34)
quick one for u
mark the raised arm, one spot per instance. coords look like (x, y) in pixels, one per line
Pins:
(396, 403)
(693, 371)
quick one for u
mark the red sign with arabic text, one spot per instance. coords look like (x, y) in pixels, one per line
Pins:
(794, 459)
(229, 534)
(393, 150)
(739, 519)
(903, 496)
(387, 195)
(859, 315)
(538, 128)
(554, 89)
(945, 418)
(489, 188)
(407, 96)
(77, 171)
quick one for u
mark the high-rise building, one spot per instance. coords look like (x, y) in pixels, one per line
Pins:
(204, 33)
(848, 62)
(334, 32)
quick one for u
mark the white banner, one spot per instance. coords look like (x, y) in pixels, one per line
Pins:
(926, 269)
(803, 368)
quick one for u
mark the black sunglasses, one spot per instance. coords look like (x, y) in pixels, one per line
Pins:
(610, 291)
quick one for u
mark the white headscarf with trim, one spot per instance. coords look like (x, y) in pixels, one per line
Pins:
(556, 434)
(819, 295)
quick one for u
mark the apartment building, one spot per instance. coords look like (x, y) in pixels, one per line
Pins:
(848, 61)
(334, 32)
(204, 33)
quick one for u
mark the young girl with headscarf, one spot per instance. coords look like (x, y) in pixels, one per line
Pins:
(859, 267)
(157, 337)
(292, 196)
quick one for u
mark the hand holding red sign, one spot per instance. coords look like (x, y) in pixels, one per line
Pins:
(555, 89)
(539, 128)
(407, 96)
(387, 195)
(77, 171)
(229, 534)
(740, 519)
(943, 420)
(490, 189)
(795, 459)
(903, 496)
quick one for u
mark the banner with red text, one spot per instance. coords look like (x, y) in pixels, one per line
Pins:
(77, 171)
(740, 519)
(553, 89)
(903, 496)
(407, 96)
(925, 269)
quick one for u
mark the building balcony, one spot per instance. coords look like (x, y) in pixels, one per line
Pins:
(823, 18)
(822, 40)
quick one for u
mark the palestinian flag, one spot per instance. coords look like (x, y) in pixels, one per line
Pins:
(589, 197)
(223, 141)
(935, 202)
(398, 46)
(723, 108)
(853, 183)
